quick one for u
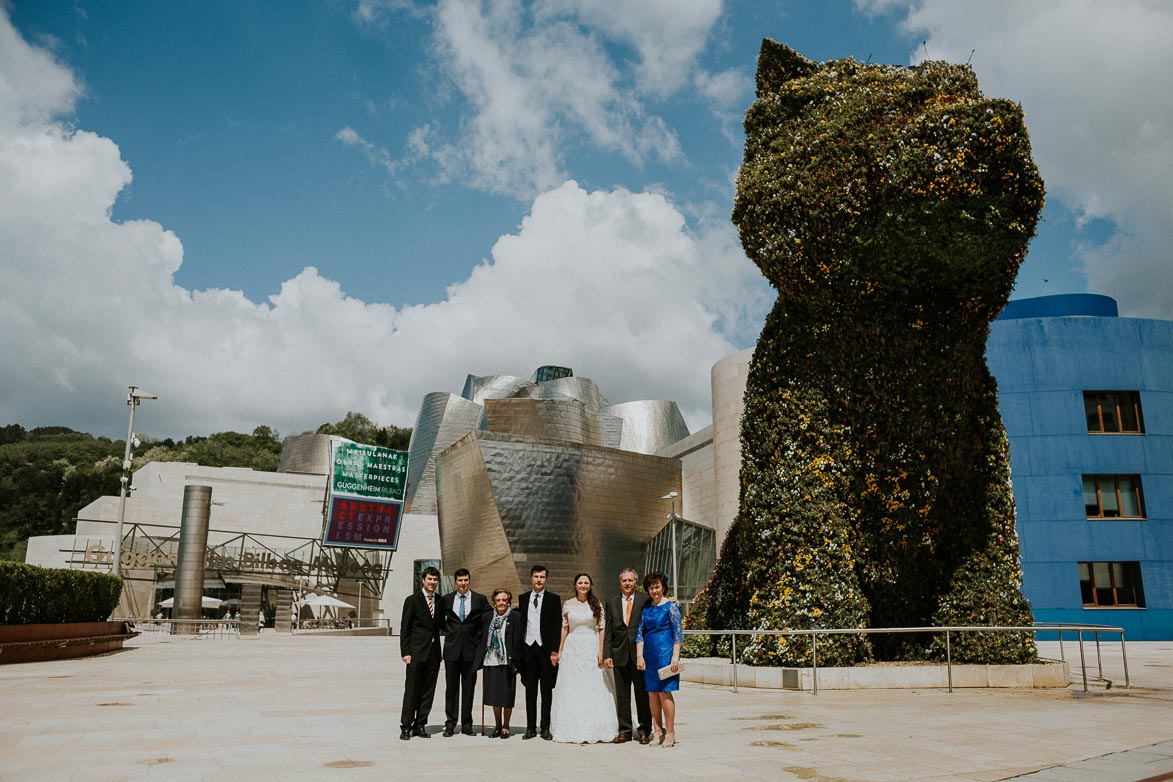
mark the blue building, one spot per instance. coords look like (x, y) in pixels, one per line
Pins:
(1087, 399)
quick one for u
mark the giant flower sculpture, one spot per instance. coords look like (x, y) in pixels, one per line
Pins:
(891, 208)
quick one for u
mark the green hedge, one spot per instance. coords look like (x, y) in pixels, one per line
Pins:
(37, 595)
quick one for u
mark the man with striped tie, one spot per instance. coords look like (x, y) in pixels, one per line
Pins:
(419, 643)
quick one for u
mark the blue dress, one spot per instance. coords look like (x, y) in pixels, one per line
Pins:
(659, 630)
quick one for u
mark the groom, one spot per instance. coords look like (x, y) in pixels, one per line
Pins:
(623, 612)
(541, 634)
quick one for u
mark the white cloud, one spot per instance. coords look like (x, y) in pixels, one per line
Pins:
(378, 156)
(541, 80)
(667, 35)
(727, 89)
(1093, 79)
(375, 13)
(536, 88)
(612, 283)
(33, 86)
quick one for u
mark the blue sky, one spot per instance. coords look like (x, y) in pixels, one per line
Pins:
(278, 212)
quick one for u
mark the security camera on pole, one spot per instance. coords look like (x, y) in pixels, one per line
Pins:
(133, 398)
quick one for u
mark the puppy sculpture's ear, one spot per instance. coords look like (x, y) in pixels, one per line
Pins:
(778, 64)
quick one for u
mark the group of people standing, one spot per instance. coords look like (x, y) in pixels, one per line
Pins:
(595, 655)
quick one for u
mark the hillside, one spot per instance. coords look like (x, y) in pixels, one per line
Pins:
(48, 473)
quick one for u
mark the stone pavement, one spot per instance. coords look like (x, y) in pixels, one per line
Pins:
(320, 708)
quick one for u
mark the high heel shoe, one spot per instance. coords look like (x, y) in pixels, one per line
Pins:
(657, 737)
(669, 740)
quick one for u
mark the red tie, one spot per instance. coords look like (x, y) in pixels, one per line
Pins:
(431, 608)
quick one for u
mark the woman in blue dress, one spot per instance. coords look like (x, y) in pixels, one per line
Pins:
(657, 646)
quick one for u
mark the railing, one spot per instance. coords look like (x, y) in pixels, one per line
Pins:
(948, 631)
(307, 626)
(195, 628)
(1046, 627)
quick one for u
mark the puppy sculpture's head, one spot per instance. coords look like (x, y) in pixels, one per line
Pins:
(876, 180)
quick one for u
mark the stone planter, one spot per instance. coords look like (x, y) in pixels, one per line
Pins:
(36, 643)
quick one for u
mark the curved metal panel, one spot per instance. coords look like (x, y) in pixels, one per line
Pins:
(581, 388)
(306, 453)
(570, 507)
(547, 419)
(478, 389)
(729, 377)
(649, 425)
(442, 420)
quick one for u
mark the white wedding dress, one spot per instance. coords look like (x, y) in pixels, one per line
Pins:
(584, 699)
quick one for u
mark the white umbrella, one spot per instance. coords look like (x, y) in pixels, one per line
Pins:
(326, 600)
(205, 602)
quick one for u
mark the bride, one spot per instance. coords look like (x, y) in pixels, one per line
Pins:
(584, 704)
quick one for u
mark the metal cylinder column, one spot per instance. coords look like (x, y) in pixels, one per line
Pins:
(193, 551)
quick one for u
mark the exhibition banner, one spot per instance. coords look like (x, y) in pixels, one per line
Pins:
(364, 501)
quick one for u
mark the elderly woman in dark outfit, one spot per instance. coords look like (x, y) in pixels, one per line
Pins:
(502, 656)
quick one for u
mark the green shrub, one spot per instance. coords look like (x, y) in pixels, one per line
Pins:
(37, 595)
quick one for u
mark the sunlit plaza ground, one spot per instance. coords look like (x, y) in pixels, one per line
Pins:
(310, 707)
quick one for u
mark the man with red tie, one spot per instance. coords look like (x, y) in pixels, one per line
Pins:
(419, 643)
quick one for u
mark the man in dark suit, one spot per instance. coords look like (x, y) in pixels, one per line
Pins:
(464, 650)
(622, 613)
(419, 643)
(541, 634)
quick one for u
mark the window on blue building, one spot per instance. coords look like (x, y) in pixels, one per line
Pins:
(1113, 412)
(1108, 584)
(1113, 497)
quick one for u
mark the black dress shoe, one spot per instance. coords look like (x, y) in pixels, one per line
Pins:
(496, 734)
(467, 732)
(529, 734)
(547, 735)
(449, 732)
(405, 734)
(421, 733)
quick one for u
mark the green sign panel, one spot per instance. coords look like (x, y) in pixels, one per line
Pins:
(369, 471)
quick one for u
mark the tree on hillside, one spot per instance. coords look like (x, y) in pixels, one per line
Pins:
(357, 427)
(47, 474)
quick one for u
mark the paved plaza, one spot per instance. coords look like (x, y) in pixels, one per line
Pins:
(326, 708)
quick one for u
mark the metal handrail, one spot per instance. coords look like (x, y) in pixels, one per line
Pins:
(308, 626)
(948, 631)
(214, 628)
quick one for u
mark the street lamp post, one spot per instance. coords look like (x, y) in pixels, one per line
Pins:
(135, 396)
(675, 551)
(360, 586)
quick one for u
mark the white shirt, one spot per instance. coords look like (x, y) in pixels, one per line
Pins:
(533, 619)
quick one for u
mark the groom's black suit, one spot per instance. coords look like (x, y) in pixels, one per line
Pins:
(619, 645)
(537, 672)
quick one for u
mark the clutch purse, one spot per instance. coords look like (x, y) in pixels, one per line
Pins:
(667, 673)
